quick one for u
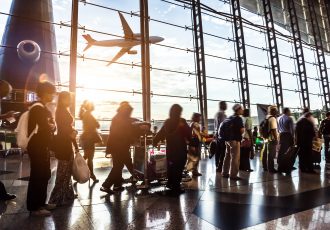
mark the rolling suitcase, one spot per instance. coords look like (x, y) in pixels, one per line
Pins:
(287, 160)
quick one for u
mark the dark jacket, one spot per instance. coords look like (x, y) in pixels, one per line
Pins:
(42, 117)
(305, 132)
(177, 135)
(63, 141)
(122, 134)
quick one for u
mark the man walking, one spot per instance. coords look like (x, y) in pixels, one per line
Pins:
(221, 146)
(325, 131)
(286, 131)
(272, 139)
(231, 131)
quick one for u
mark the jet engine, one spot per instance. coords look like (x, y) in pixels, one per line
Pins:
(28, 51)
(132, 52)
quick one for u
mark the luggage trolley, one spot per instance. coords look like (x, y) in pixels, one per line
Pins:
(149, 163)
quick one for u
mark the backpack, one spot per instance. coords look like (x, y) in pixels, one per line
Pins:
(264, 128)
(21, 130)
(225, 131)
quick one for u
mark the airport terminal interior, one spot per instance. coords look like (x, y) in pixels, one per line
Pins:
(148, 55)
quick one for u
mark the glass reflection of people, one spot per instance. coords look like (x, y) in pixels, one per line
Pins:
(123, 132)
(5, 89)
(38, 150)
(65, 140)
(90, 135)
(194, 152)
(177, 134)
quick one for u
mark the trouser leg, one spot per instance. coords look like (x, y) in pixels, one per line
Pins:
(226, 162)
(265, 156)
(271, 155)
(235, 158)
(38, 182)
(114, 176)
(326, 148)
(3, 191)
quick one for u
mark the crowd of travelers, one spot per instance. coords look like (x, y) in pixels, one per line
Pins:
(234, 145)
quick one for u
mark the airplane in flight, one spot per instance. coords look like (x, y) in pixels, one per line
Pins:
(127, 43)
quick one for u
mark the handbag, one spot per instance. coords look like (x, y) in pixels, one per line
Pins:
(246, 143)
(80, 170)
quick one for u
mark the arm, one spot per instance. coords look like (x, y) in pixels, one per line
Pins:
(41, 118)
(159, 136)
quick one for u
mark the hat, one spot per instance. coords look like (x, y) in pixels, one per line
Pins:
(124, 106)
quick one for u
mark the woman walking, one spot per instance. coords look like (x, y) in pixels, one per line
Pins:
(38, 150)
(194, 153)
(65, 143)
(90, 136)
(177, 134)
(247, 150)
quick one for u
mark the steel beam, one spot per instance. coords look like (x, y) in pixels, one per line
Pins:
(299, 53)
(241, 53)
(73, 54)
(200, 60)
(319, 53)
(145, 60)
(273, 51)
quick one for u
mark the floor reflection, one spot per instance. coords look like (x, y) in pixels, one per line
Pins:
(261, 194)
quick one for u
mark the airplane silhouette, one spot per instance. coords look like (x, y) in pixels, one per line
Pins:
(130, 40)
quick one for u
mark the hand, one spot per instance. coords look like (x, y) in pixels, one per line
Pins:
(9, 114)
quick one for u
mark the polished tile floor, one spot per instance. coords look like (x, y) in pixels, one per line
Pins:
(260, 201)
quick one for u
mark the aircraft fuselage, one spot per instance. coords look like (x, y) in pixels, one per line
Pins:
(123, 43)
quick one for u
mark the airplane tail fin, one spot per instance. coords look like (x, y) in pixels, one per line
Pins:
(89, 40)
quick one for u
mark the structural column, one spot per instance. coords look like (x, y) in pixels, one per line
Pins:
(299, 53)
(319, 53)
(241, 53)
(145, 60)
(200, 60)
(273, 51)
(73, 54)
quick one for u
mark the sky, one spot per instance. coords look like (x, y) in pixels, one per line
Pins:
(94, 74)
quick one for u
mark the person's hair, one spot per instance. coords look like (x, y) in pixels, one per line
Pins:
(62, 97)
(306, 110)
(327, 114)
(308, 114)
(175, 111)
(237, 107)
(124, 106)
(44, 88)
(222, 103)
(246, 113)
(272, 109)
(82, 109)
(286, 110)
(195, 116)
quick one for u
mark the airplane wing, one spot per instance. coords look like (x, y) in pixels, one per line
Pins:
(119, 54)
(127, 30)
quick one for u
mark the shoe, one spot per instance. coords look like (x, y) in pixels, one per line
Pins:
(249, 170)
(225, 175)
(197, 174)
(7, 197)
(118, 188)
(41, 212)
(235, 178)
(107, 190)
(49, 207)
(176, 192)
(95, 180)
